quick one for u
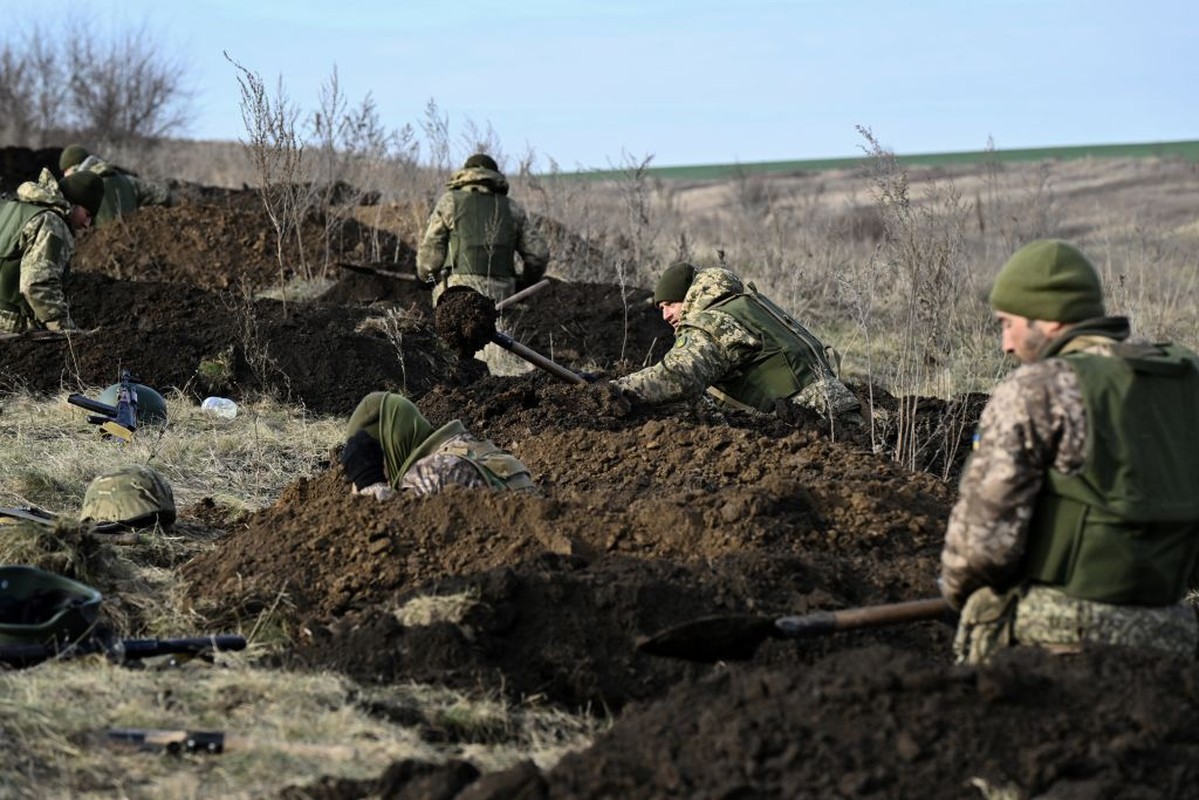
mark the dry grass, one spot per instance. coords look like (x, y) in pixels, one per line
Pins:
(53, 716)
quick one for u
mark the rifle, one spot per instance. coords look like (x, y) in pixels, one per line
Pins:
(123, 651)
(177, 742)
(119, 421)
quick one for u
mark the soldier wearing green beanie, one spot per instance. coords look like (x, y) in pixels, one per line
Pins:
(741, 348)
(473, 238)
(1077, 522)
(123, 191)
(37, 240)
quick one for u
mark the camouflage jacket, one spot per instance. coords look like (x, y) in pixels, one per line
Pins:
(44, 247)
(124, 193)
(1035, 421)
(438, 470)
(435, 244)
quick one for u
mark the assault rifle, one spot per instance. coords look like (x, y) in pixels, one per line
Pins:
(119, 421)
(123, 651)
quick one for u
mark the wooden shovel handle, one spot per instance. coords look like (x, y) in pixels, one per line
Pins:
(822, 622)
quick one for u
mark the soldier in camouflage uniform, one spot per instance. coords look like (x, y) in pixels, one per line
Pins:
(1077, 521)
(124, 192)
(390, 447)
(738, 345)
(36, 244)
(472, 238)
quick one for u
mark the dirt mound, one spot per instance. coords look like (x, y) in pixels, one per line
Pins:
(876, 722)
(20, 164)
(220, 239)
(643, 526)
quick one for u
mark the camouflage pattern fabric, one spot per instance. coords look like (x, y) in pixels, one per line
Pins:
(434, 247)
(710, 344)
(46, 245)
(1035, 421)
(827, 397)
(132, 495)
(1045, 617)
(124, 193)
(438, 470)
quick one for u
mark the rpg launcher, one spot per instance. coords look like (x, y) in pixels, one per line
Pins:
(116, 422)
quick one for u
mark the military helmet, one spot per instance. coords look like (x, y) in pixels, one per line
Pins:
(135, 496)
(151, 406)
(38, 607)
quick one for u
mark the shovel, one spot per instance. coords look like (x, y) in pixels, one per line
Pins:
(735, 637)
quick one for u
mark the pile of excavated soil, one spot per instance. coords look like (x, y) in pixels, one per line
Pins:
(647, 519)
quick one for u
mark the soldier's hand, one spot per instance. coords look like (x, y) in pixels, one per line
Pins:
(64, 324)
(379, 491)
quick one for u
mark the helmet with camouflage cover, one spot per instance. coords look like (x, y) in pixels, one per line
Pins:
(151, 406)
(38, 607)
(135, 496)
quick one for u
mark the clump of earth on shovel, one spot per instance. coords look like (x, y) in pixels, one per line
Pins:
(465, 320)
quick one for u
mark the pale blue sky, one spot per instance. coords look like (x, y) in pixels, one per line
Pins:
(590, 83)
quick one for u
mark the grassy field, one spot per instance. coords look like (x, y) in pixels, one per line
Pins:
(1186, 150)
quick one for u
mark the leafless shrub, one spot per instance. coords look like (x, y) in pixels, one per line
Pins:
(277, 154)
(79, 84)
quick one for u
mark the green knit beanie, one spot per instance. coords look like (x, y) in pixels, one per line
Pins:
(83, 189)
(675, 281)
(72, 156)
(1048, 280)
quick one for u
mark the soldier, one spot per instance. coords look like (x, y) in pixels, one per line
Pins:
(391, 446)
(36, 244)
(473, 236)
(1077, 521)
(739, 346)
(124, 192)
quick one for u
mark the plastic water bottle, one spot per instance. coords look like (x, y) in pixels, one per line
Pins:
(221, 407)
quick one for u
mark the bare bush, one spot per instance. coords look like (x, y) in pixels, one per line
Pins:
(107, 91)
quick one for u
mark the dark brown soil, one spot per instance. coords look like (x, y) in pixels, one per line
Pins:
(465, 320)
(646, 520)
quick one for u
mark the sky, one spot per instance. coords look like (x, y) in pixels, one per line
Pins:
(605, 83)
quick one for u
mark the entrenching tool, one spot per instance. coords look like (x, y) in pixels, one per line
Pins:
(522, 294)
(735, 637)
(386, 273)
(470, 324)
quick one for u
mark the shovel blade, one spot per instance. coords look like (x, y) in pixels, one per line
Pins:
(731, 637)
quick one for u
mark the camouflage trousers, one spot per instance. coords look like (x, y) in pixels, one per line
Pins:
(827, 397)
(13, 322)
(1045, 617)
(498, 360)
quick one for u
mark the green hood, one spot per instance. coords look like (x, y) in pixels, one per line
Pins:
(44, 192)
(480, 176)
(401, 430)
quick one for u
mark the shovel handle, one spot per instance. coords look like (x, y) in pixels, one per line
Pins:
(822, 622)
(522, 294)
(536, 359)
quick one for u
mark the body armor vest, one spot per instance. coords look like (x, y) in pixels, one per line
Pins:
(1126, 528)
(14, 216)
(483, 238)
(119, 199)
(789, 357)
